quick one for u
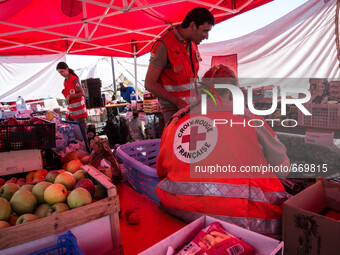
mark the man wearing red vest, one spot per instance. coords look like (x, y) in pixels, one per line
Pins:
(201, 165)
(174, 61)
(74, 96)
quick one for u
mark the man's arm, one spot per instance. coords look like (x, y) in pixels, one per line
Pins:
(152, 85)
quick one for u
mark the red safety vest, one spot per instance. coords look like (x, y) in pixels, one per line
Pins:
(252, 203)
(77, 106)
(177, 80)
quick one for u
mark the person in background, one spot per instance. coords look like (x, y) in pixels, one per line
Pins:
(192, 141)
(126, 91)
(74, 96)
(174, 61)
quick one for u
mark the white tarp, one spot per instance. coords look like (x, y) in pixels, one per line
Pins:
(32, 77)
(302, 44)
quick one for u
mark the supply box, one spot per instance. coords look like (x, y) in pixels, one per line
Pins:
(263, 245)
(305, 231)
(96, 225)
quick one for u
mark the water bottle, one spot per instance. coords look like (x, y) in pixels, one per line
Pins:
(20, 104)
(133, 99)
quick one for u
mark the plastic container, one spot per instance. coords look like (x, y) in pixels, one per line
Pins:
(133, 101)
(20, 104)
(139, 159)
(27, 136)
(67, 244)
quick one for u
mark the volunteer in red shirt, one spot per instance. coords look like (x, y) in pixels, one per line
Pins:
(191, 145)
(175, 60)
(74, 96)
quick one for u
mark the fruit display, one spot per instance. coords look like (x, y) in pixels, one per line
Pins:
(41, 194)
(33, 133)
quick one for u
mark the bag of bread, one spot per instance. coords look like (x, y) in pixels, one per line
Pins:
(214, 240)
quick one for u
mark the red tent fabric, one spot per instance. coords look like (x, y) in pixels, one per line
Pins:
(120, 28)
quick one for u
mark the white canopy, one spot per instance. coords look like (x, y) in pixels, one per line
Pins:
(301, 44)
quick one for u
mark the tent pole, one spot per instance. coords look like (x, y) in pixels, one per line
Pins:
(135, 58)
(113, 77)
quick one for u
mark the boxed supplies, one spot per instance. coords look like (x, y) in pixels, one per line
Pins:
(305, 231)
(95, 225)
(263, 245)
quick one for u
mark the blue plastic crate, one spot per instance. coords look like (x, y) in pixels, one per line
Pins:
(139, 159)
(67, 245)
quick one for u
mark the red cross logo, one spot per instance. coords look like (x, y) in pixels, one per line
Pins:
(195, 137)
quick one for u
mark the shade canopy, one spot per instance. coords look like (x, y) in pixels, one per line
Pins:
(121, 28)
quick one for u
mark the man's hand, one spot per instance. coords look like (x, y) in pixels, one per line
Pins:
(181, 103)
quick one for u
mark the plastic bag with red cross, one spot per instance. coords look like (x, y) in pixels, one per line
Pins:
(214, 240)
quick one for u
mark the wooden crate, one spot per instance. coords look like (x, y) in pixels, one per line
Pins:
(95, 225)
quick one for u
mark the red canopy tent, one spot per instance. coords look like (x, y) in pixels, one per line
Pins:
(121, 28)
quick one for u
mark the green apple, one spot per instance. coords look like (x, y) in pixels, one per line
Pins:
(99, 192)
(28, 187)
(79, 197)
(80, 174)
(57, 208)
(41, 210)
(4, 224)
(8, 189)
(50, 177)
(23, 201)
(5, 209)
(39, 189)
(26, 218)
(67, 179)
(55, 193)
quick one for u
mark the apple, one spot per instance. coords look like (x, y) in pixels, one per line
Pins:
(2, 181)
(38, 122)
(21, 181)
(134, 218)
(79, 197)
(28, 187)
(12, 180)
(67, 179)
(40, 175)
(85, 159)
(17, 129)
(69, 156)
(13, 219)
(128, 212)
(12, 121)
(57, 208)
(80, 174)
(55, 193)
(86, 184)
(50, 177)
(8, 189)
(30, 128)
(41, 210)
(26, 218)
(29, 176)
(33, 119)
(61, 170)
(23, 201)
(5, 209)
(4, 224)
(39, 189)
(99, 192)
(73, 166)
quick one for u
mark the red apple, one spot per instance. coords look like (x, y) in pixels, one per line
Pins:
(134, 218)
(86, 184)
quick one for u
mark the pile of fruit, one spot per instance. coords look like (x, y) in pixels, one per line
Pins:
(42, 193)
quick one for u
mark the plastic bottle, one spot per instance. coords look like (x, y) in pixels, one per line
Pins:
(133, 101)
(20, 104)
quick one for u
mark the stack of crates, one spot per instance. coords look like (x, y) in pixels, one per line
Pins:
(92, 90)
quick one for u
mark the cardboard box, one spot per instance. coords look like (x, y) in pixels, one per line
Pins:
(96, 226)
(307, 232)
(263, 245)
